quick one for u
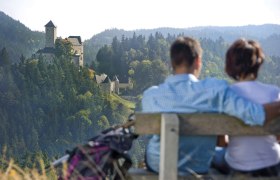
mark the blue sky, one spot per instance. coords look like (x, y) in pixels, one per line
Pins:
(89, 17)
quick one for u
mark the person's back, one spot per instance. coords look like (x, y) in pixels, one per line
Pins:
(258, 155)
(184, 94)
(248, 153)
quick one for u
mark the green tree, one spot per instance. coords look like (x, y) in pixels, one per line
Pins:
(4, 58)
(63, 48)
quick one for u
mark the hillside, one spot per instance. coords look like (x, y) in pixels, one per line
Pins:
(48, 108)
(268, 35)
(18, 39)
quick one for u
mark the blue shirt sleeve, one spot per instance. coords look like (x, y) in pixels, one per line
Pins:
(147, 100)
(232, 104)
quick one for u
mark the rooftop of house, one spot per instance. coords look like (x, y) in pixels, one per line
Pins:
(46, 50)
(107, 80)
(100, 78)
(50, 24)
(115, 78)
(75, 40)
(104, 78)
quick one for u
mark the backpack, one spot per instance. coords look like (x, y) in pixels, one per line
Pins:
(103, 157)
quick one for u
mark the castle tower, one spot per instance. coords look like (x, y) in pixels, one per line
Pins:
(50, 35)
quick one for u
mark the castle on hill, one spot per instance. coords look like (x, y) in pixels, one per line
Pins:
(49, 50)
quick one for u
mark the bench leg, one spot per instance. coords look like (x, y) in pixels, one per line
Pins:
(169, 139)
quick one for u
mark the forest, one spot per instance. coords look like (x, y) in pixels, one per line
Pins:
(146, 60)
(267, 34)
(47, 108)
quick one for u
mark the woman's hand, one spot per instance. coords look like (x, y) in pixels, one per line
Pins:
(223, 140)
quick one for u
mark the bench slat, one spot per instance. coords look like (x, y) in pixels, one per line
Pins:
(143, 174)
(204, 124)
(169, 147)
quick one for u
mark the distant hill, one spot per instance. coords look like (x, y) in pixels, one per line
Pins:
(271, 45)
(18, 39)
(268, 35)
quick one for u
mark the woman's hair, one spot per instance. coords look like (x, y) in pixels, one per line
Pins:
(244, 57)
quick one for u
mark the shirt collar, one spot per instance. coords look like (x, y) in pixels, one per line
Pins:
(181, 77)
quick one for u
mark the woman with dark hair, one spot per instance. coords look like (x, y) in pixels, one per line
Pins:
(255, 155)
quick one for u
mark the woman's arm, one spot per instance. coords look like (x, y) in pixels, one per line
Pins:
(272, 111)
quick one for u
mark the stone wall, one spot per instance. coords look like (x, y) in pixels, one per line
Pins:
(50, 37)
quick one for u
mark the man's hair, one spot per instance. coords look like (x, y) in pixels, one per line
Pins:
(185, 50)
(244, 57)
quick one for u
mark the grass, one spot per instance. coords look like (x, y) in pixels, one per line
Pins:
(129, 104)
(14, 172)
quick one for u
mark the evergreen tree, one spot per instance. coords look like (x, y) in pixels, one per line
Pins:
(4, 58)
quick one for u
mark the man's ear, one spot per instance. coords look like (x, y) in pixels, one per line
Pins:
(173, 65)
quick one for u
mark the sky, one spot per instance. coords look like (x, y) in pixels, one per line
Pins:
(89, 17)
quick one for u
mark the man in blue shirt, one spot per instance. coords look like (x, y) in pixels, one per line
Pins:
(184, 93)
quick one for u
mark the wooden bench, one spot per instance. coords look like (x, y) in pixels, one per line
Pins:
(170, 126)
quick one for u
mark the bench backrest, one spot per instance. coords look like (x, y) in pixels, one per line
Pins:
(204, 124)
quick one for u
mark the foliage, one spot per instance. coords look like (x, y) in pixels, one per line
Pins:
(63, 48)
(267, 34)
(51, 107)
(147, 73)
(146, 62)
(118, 99)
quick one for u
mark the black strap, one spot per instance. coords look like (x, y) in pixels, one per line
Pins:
(123, 169)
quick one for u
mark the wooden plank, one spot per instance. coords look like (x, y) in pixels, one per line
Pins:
(204, 124)
(207, 177)
(169, 146)
(142, 174)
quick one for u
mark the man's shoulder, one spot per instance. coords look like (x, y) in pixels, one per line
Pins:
(214, 83)
(207, 82)
(149, 95)
(151, 91)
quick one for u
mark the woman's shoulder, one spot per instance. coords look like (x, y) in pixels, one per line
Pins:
(270, 87)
